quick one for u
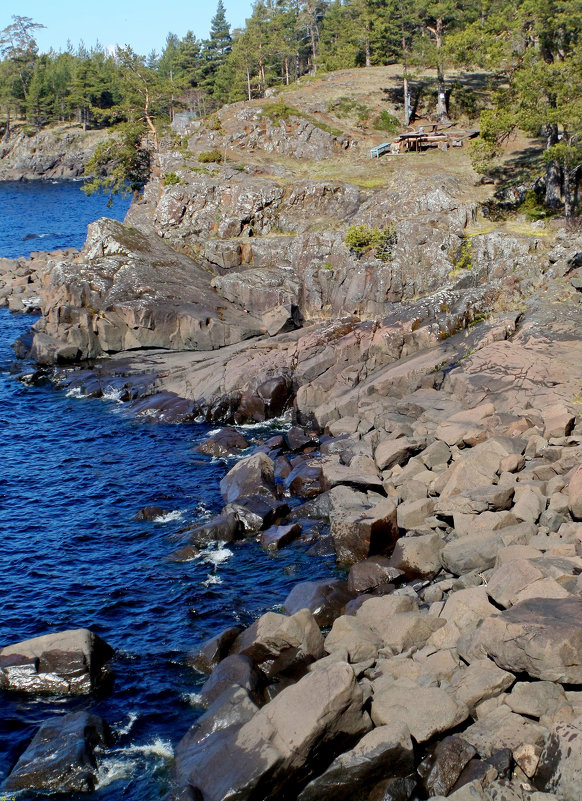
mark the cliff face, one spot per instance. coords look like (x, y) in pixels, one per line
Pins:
(55, 153)
(248, 259)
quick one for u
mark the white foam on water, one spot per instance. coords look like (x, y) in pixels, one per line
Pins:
(170, 517)
(111, 770)
(202, 511)
(217, 555)
(214, 432)
(274, 422)
(212, 578)
(122, 763)
(159, 748)
(131, 718)
(194, 699)
(75, 392)
(112, 394)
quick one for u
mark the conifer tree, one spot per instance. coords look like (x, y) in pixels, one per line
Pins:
(215, 49)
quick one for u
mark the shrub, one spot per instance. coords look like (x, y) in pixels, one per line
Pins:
(347, 107)
(210, 156)
(463, 257)
(533, 207)
(279, 111)
(387, 122)
(360, 239)
(170, 179)
(214, 123)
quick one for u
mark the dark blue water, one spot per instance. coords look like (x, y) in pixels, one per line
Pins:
(45, 215)
(73, 474)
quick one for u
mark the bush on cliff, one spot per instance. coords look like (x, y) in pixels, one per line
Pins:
(361, 239)
(213, 156)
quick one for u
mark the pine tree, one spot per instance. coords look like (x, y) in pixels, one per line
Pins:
(215, 49)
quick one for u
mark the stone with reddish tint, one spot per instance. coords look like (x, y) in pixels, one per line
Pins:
(277, 537)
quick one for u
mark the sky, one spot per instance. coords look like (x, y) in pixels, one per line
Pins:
(143, 24)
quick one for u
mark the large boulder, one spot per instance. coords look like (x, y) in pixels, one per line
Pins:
(418, 555)
(281, 644)
(303, 727)
(233, 709)
(226, 442)
(375, 574)
(425, 710)
(70, 662)
(360, 527)
(502, 728)
(254, 475)
(541, 637)
(559, 770)
(235, 670)
(224, 527)
(481, 680)
(325, 599)
(479, 466)
(384, 752)
(441, 771)
(479, 551)
(212, 651)
(61, 756)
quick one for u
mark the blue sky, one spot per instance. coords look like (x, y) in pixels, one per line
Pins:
(143, 24)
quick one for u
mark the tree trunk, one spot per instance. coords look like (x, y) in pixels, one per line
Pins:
(287, 70)
(249, 84)
(441, 109)
(367, 45)
(405, 81)
(148, 119)
(553, 172)
(568, 200)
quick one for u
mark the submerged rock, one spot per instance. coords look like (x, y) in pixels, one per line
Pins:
(226, 443)
(61, 756)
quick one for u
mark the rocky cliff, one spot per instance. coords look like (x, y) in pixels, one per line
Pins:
(437, 384)
(60, 152)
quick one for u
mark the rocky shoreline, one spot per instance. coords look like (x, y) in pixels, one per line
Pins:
(436, 450)
(56, 153)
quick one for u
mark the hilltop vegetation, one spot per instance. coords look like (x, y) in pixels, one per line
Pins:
(529, 54)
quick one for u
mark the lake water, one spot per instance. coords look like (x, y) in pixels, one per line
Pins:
(74, 473)
(46, 215)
